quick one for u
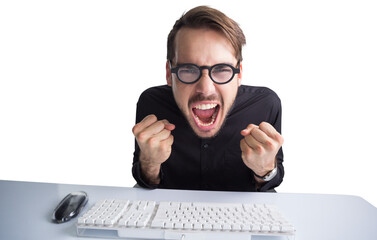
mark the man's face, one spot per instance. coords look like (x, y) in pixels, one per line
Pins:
(204, 103)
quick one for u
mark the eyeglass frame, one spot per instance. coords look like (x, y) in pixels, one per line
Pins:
(175, 70)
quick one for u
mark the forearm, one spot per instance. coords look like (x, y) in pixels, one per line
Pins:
(276, 180)
(149, 172)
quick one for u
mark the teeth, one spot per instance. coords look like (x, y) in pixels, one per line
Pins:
(205, 124)
(212, 121)
(206, 106)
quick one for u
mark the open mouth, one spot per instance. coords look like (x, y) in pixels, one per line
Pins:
(205, 115)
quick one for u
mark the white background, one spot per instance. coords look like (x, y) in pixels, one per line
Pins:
(71, 73)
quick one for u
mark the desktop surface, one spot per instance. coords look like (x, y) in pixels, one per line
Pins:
(26, 209)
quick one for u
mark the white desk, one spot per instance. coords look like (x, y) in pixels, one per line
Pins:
(26, 209)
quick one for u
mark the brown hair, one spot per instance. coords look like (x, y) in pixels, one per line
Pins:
(206, 17)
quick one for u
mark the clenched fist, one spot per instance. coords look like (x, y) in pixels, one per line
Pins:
(260, 146)
(155, 140)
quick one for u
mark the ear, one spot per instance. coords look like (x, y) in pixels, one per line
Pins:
(239, 80)
(168, 74)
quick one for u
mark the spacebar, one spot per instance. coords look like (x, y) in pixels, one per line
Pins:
(143, 233)
(207, 235)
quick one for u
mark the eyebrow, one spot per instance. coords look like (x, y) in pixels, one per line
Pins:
(178, 64)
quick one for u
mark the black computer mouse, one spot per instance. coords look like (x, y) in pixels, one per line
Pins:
(69, 207)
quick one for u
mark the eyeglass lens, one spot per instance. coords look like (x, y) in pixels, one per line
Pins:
(188, 73)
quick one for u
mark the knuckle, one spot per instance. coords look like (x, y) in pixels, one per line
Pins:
(152, 142)
(151, 117)
(270, 145)
(248, 153)
(259, 150)
(142, 136)
(134, 129)
(164, 121)
(171, 139)
(162, 147)
(254, 129)
(242, 142)
(161, 124)
(280, 139)
(244, 146)
(263, 124)
(255, 132)
(158, 125)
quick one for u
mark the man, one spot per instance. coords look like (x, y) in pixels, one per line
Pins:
(204, 130)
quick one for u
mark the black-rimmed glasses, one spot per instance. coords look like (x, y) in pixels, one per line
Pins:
(190, 73)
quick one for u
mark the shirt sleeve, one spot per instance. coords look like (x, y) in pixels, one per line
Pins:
(276, 122)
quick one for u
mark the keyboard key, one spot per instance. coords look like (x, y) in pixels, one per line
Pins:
(207, 226)
(246, 228)
(217, 226)
(287, 228)
(109, 222)
(178, 225)
(169, 225)
(265, 228)
(131, 223)
(275, 228)
(188, 226)
(255, 227)
(99, 221)
(227, 226)
(81, 220)
(236, 227)
(157, 224)
(90, 221)
(198, 226)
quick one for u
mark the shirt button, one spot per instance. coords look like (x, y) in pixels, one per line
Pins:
(205, 145)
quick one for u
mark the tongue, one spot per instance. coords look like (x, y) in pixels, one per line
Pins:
(204, 115)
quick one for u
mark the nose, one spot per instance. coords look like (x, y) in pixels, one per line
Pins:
(205, 85)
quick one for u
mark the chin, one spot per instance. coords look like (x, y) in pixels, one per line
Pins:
(206, 135)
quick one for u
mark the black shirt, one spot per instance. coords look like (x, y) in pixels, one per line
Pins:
(215, 163)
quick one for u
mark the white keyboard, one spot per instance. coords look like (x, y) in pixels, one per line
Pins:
(182, 220)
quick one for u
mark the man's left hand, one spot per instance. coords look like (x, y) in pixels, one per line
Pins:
(260, 146)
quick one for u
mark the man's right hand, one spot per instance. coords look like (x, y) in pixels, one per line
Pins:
(155, 140)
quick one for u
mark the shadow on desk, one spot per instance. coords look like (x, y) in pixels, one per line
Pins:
(271, 190)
